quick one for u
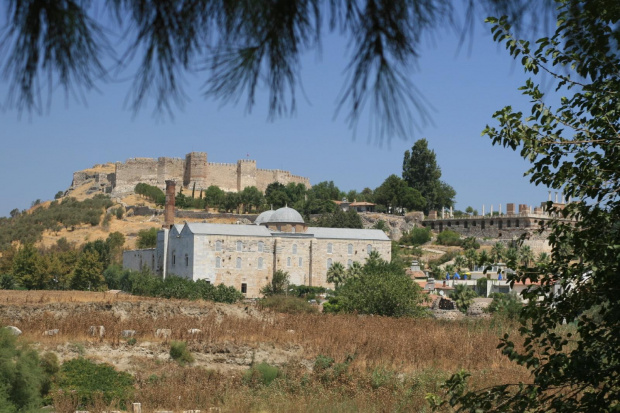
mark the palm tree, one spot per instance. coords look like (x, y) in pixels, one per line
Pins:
(498, 251)
(526, 255)
(484, 258)
(354, 271)
(472, 257)
(463, 296)
(336, 274)
(543, 258)
(459, 262)
(512, 257)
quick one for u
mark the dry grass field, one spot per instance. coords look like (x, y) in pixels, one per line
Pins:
(385, 364)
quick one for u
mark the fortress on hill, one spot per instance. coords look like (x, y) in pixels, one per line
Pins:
(194, 169)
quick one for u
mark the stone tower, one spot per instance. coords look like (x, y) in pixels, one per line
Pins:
(246, 174)
(195, 169)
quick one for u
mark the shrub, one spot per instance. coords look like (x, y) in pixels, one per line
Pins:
(463, 296)
(147, 238)
(449, 238)
(21, 376)
(506, 305)
(180, 353)
(89, 380)
(417, 236)
(7, 282)
(287, 304)
(278, 285)
(261, 374)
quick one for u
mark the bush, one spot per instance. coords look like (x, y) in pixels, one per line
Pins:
(449, 238)
(287, 304)
(463, 296)
(89, 381)
(180, 353)
(21, 376)
(417, 236)
(7, 282)
(505, 305)
(261, 374)
(278, 285)
(147, 238)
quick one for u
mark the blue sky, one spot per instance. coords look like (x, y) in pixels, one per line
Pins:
(40, 152)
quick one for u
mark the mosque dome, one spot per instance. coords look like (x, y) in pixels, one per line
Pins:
(264, 217)
(285, 215)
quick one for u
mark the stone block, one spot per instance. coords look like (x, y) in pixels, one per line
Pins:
(13, 330)
(128, 333)
(96, 331)
(163, 333)
(52, 332)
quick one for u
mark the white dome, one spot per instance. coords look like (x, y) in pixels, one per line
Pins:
(286, 215)
(264, 217)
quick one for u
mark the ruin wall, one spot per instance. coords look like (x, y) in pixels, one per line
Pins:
(223, 175)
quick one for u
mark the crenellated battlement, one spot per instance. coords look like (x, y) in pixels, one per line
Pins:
(192, 170)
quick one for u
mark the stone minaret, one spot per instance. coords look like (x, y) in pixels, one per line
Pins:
(169, 208)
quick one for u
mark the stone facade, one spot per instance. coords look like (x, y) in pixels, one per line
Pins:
(194, 169)
(247, 256)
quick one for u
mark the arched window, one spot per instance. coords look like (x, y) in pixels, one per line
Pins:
(294, 248)
(238, 262)
(288, 262)
(260, 263)
(329, 263)
(186, 260)
(350, 249)
(239, 246)
(218, 245)
(349, 263)
(368, 249)
(174, 258)
(218, 262)
(330, 248)
(261, 246)
(301, 261)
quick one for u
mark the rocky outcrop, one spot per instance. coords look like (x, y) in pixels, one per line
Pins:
(395, 224)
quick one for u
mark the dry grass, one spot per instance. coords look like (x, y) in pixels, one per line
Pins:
(420, 352)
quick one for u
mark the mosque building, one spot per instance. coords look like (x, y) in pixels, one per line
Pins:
(247, 256)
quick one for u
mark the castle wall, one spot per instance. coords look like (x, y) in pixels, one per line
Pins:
(266, 176)
(246, 174)
(223, 175)
(169, 169)
(134, 171)
(193, 169)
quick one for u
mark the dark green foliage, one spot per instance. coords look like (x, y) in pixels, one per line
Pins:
(276, 195)
(88, 379)
(7, 282)
(21, 376)
(252, 197)
(382, 288)
(59, 194)
(287, 304)
(153, 193)
(262, 374)
(88, 273)
(396, 195)
(417, 236)
(449, 238)
(572, 146)
(506, 305)
(470, 243)
(180, 353)
(339, 219)
(27, 228)
(305, 291)
(463, 296)
(119, 212)
(421, 172)
(278, 285)
(147, 238)
(380, 224)
(146, 284)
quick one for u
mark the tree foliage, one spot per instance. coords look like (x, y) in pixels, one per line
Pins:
(147, 238)
(421, 172)
(395, 194)
(380, 288)
(573, 147)
(239, 48)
